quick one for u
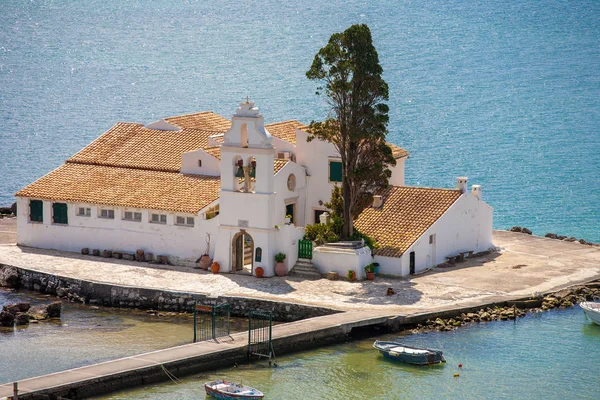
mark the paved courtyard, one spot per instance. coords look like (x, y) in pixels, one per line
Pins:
(523, 266)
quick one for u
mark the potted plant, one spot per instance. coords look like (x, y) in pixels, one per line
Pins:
(205, 261)
(288, 219)
(280, 269)
(370, 271)
(215, 267)
(351, 275)
(259, 271)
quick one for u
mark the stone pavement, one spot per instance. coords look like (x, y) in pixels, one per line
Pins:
(525, 265)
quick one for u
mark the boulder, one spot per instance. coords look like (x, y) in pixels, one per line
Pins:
(525, 230)
(561, 237)
(38, 313)
(6, 318)
(149, 257)
(106, 253)
(516, 229)
(85, 251)
(11, 308)
(551, 235)
(53, 309)
(96, 252)
(21, 318)
(582, 241)
(5, 210)
(9, 277)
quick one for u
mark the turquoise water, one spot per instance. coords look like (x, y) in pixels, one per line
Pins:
(553, 355)
(505, 92)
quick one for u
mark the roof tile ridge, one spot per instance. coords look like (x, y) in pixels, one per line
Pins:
(122, 166)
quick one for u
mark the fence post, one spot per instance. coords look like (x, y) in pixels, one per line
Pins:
(15, 390)
(214, 336)
(195, 306)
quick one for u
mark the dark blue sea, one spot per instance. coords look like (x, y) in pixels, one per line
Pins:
(505, 92)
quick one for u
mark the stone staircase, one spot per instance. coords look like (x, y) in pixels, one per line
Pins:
(304, 268)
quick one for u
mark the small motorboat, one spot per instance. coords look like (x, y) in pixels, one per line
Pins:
(224, 390)
(591, 310)
(412, 355)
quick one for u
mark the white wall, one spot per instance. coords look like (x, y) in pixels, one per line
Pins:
(331, 259)
(397, 178)
(182, 244)
(297, 196)
(189, 163)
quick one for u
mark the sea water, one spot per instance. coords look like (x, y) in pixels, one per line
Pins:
(504, 92)
(552, 355)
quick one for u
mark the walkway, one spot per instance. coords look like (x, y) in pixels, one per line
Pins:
(524, 265)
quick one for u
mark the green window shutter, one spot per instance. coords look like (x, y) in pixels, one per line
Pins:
(36, 210)
(59, 213)
(335, 171)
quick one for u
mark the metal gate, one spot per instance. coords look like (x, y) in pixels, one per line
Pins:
(260, 329)
(211, 322)
(305, 249)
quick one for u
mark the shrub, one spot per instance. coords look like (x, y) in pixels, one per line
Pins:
(369, 241)
(279, 257)
(320, 233)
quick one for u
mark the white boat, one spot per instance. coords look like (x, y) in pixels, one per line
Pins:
(223, 390)
(591, 310)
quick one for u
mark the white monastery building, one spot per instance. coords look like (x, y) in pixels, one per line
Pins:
(193, 184)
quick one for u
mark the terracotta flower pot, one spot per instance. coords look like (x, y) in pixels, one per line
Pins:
(370, 276)
(205, 262)
(259, 271)
(280, 269)
(215, 268)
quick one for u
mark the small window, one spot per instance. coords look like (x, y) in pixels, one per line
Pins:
(59, 213)
(132, 216)
(36, 211)
(159, 218)
(180, 220)
(189, 221)
(185, 221)
(335, 171)
(84, 212)
(199, 163)
(108, 214)
(431, 239)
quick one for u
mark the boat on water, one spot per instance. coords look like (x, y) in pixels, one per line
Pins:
(591, 310)
(412, 355)
(224, 390)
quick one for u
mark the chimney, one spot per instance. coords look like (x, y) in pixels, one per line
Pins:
(461, 184)
(476, 191)
(377, 201)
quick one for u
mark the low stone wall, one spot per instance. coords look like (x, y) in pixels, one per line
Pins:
(153, 299)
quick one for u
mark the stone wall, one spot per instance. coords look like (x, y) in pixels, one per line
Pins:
(131, 297)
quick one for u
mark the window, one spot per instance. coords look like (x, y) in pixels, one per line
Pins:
(212, 212)
(36, 211)
(132, 216)
(158, 219)
(108, 214)
(59, 213)
(318, 215)
(199, 163)
(187, 221)
(84, 211)
(335, 171)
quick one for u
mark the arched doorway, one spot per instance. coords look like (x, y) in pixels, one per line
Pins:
(242, 250)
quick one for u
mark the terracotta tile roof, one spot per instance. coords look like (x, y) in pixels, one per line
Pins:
(214, 151)
(406, 214)
(279, 163)
(205, 120)
(398, 152)
(125, 187)
(285, 130)
(134, 146)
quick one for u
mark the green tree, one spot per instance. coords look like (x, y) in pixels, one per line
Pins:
(350, 76)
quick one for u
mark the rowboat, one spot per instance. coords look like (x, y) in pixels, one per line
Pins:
(223, 390)
(591, 310)
(412, 355)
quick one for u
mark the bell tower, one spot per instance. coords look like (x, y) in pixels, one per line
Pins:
(247, 195)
